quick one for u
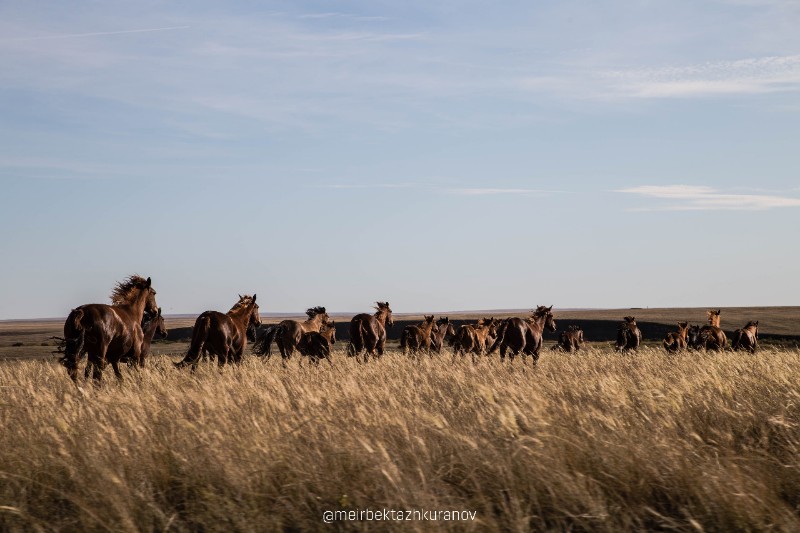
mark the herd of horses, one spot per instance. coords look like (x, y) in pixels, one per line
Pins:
(122, 332)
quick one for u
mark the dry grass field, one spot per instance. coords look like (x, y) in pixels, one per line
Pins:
(595, 441)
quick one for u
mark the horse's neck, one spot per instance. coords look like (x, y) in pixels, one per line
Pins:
(328, 333)
(537, 322)
(684, 333)
(137, 306)
(441, 331)
(714, 321)
(150, 332)
(380, 316)
(427, 327)
(313, 324)
(240, 317)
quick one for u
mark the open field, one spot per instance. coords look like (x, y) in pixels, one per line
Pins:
(591, 441)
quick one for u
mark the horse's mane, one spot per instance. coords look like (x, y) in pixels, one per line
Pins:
(244, 301)
(314, 311)
(753, 323)
(125, 292)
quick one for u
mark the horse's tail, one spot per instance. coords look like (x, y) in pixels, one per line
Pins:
(356, 338)
(199, 335)
(501, 337)
(404, 340)
(263, 345)
(736, 342)
(74, 340)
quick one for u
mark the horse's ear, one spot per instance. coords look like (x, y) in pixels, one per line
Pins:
(719, 311)
(756, 322)
(550, 308)
(159, 311)
(147, 283)
(254, 298)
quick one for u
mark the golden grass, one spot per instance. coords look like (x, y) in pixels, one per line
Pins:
(596, 441)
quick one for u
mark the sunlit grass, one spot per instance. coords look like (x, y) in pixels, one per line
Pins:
(591, 441)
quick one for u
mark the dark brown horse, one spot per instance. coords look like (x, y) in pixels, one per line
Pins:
(570, 339)
(629, 336)
(417, 338)
(714, 337)
(223, 335)
(368, 332)
(443, 331)
(746, 338)
(108, 333)
(676, 341)
(150, 326)
(317, 345)
(694, 338)
(288, 333)
(524, 335)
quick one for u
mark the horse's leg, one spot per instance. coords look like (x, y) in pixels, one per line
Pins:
(115, 366)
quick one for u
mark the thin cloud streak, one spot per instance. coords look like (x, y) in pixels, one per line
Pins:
(462, 191)
(702, 198)
(92, 34)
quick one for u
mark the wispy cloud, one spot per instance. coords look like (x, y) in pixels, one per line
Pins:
(742, 76)
(462, 191)
(702, 198)
(91, 34)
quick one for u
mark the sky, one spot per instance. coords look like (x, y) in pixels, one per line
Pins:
(437, 155)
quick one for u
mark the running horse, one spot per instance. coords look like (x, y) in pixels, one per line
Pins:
(677, 341)
(443, 331)
(109, 333)
(713, 336)
(746, 338)
(316, 345)
(288, 333)
(472, 338)
(629, 336)
(524, 335)
(223, 335)
(417, 338)
(570, 340)
(368, 332)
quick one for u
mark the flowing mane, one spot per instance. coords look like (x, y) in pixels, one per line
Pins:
(243, 303)
(126, 291)
(314, 311)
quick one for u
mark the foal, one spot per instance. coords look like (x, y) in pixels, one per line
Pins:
(676, 341)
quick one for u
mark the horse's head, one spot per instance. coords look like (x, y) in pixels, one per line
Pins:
(332, 332)
(318, 311)
(428, 319)
(384, 309)
(630, 320)
(161, 326)
(150, 305)
(693, 337)
(682, 327)
(545, 313)
(754, 326)
(714, 317)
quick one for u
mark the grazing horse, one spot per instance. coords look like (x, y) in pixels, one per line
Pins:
(524, 335)
(287, 334)
(676, 341)
(746, 338)
(443, 331)
(417, 338)
(107, 333)
(368, 332)
(471, 338)
(570, 339)
(223, 335)
(629, 337)
(316, 345)
(714, 337)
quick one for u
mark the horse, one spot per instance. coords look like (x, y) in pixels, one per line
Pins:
(714, 337)
(570, 340)
(287, 334)
(471, 338)
(223, 335)
(417, 338)
(629, 337)
(746, 338)
(443, 331)
(107, 333)
(675, 341)
(316, 345)
(695, 338)
(368, 332)
(524, 335)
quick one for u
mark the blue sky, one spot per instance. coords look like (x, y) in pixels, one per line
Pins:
(438, 155)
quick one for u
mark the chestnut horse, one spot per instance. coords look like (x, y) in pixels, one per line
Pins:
(368, 332)
(676, 341)
(316, 345)
(107, 333)
(570, 339)
(417, 338)
(746, 338)
(150, 326)
(444, 330)
(524, 335)
(471, 338)
(287, 334)
(713, 336)
(629, 337)
(223, 335)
